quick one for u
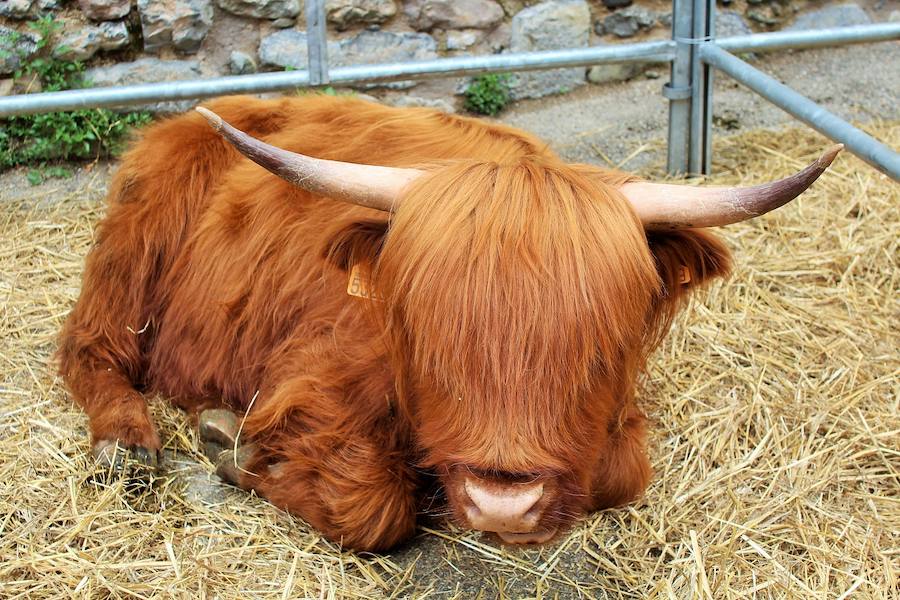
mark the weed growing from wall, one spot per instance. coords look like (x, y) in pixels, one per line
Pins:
(86, 134)
(488, 94)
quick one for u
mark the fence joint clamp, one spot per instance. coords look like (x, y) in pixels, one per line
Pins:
(676, 93)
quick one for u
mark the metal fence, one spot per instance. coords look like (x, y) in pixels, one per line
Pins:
(693, 52)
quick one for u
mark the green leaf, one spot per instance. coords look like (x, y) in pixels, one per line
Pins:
(85, 134)
(488, 94)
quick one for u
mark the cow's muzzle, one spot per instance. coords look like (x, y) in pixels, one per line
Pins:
(514, 511)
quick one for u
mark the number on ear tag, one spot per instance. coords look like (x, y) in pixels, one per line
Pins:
(360, 284)
(684, 276)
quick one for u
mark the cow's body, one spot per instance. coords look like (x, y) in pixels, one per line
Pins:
(215, 283)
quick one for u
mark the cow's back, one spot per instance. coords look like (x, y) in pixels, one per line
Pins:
(241, 279)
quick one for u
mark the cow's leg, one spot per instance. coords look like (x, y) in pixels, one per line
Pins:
(343, 481)
(624, 470)
(119, 421)
(105, 336)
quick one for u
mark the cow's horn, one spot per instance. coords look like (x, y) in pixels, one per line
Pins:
(666, 206)
(659, 205)
(366, 185)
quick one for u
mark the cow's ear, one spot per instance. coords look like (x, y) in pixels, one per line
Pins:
(687, 259)
(356, 243)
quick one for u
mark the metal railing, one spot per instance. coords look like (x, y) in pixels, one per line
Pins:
(867, 148)
(692, 51)
(690, 88)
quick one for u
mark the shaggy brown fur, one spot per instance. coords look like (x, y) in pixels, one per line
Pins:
(521, 297)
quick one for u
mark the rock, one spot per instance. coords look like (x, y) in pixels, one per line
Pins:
(344, 13)
(454, 14)
(511, 7)
(665, 19)
(548, 26)
(627, 22)
(614, 72)
(104, 10)
(613, 4)
(87, 41)
(287, 49)
(384, 47)
(460, 40)
(241, 63)
(6, 87)
(284, 22)
(841, 15)
(730, 23)
(407, 101)
(762, 17)
(15, 46)
(261, 9)
(28, 84)
(147, 70)
(179, 23)
(15, 9)
(143, 70)
(500, 38)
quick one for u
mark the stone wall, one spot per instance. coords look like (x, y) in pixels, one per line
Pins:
(125, 41)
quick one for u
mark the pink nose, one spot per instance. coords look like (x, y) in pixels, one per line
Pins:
(504, 508)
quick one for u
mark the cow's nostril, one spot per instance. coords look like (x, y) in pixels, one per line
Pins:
(509, 508)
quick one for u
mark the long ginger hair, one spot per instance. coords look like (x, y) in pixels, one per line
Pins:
(520, 298)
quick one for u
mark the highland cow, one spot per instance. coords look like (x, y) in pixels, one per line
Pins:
(435, 313)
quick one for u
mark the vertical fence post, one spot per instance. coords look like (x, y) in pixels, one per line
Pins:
(700, 144)
(690, 89)
(316, 42)
(678, 90)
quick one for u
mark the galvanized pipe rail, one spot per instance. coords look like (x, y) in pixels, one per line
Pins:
(662, 52)
(692, 50)
(379, 73)
(861, 144)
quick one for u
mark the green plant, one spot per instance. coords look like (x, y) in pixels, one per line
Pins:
(84, 134)
(36, 176)
(488, 94)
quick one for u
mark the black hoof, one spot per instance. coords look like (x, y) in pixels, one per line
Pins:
(113, 460)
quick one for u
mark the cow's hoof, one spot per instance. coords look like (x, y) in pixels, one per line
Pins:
(231, 466)
(219, 426)
(219, 431)
(112, 458)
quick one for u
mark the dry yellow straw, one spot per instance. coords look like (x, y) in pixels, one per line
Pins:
(774, 405)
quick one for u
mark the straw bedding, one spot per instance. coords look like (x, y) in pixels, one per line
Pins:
(775, 411)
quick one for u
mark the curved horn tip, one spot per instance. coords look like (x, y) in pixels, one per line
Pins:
(211, 117)
(828, 156)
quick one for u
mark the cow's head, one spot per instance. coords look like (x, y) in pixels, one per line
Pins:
(520, 301)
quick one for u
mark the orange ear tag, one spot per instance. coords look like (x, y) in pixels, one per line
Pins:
(360, 285)
(684, 276)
